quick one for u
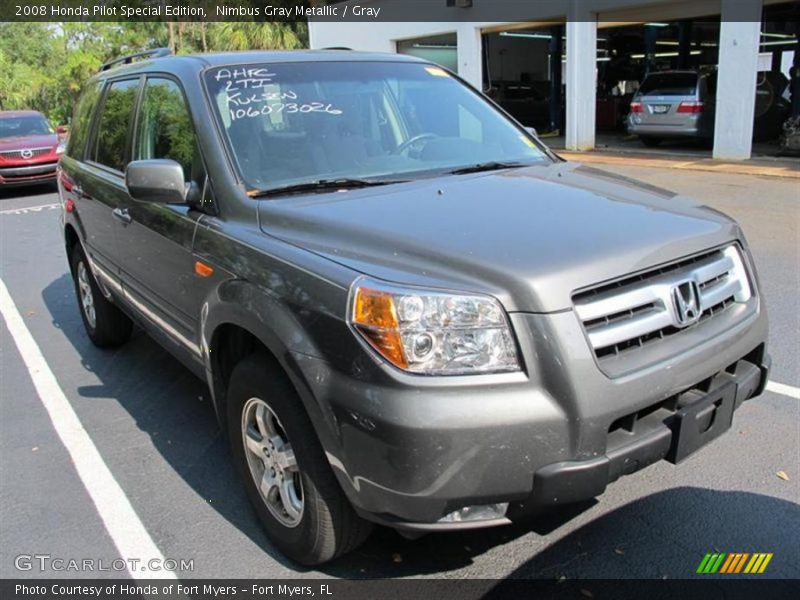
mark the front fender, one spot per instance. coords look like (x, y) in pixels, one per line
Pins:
(280, 330)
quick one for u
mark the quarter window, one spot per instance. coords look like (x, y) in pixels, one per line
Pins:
(112, 134)
(165, 127)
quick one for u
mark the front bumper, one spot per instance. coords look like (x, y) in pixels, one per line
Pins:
(28, 174)
(409, 450)
(671, 430)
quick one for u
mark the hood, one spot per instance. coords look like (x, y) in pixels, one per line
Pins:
(48, 140)
(529, 237)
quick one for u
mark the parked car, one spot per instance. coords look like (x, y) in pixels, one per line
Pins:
(29, 148)
(682, 105)
(673, 104)
(407, 309)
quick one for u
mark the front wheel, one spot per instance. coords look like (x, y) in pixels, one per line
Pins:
(285, 472)
(106, 325)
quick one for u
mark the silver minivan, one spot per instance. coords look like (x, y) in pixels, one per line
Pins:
(673, 104)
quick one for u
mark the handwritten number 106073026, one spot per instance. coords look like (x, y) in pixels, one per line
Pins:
(287, 107)
(239, 82)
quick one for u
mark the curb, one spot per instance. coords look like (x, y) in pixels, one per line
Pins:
(784, 169)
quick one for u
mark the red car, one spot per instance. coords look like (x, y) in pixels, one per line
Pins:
(29, 148)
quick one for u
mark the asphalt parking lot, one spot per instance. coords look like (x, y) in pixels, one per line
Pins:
(153, 425)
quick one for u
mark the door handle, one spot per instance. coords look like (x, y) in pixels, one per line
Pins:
(79, 193)
(123, 215)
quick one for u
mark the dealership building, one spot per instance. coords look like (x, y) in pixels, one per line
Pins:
(573, 65)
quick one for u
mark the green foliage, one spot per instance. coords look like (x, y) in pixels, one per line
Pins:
(43, 66)
(256, 36)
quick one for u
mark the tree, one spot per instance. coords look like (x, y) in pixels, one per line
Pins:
(48, 75)
(257, 36)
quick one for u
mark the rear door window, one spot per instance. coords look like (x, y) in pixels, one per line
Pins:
(669, 84)
(113, 128)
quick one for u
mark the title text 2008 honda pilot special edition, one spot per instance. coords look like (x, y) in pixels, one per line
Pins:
(409, 311)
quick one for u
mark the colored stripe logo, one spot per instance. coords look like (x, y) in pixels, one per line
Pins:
(734, 562)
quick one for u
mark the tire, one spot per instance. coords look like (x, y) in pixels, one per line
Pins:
(323, 525)
(649, 141)
(106, 325)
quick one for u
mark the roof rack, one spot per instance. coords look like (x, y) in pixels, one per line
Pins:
(126, 60)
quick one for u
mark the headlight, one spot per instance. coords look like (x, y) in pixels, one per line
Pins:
(433, 333)
(62, 146)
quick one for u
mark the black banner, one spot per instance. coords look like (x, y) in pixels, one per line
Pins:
(363, 11)
(712, 588)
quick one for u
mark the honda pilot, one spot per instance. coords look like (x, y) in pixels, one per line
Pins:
(408, 310)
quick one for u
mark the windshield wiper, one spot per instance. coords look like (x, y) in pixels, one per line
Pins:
(321, 185)
(487, 166)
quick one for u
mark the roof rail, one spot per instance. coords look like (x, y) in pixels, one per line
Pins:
(126, 60)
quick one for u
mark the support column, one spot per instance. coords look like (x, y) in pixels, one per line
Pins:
(736, 86)
(470, 54)
(650, 39)
(684, 44)
(581, 76)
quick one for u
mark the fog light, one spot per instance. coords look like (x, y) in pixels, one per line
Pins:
(479, 512)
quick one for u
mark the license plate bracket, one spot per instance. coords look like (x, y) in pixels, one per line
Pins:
(702, 421)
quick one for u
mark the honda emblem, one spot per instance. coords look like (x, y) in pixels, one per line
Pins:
(686, 299)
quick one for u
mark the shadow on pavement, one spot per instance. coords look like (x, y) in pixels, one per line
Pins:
(664, 534)
(26, 191)
(168, 403)
(667, 534)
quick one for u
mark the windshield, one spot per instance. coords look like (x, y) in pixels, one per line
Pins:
(669, 84)
(22, 126)
(289, 123)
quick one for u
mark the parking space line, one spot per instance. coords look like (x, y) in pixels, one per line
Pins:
(783, 389)
(119, 518)
(29, 209)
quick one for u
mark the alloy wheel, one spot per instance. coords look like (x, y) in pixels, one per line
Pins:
(272, 462)
(86, 295)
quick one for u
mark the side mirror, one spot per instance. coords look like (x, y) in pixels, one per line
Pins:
(156, 180)
(532, 131)
(62, 130)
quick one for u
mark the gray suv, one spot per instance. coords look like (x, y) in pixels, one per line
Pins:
(408, 311)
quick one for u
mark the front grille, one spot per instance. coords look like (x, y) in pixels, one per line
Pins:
(17, 154)
(637, 311)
